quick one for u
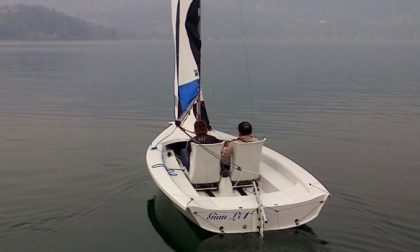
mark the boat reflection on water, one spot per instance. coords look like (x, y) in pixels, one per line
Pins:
(183, 235)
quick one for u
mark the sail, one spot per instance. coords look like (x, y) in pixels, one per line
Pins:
(187, 41)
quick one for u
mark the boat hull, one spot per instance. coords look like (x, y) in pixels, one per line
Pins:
(290, 196)
(249, 220)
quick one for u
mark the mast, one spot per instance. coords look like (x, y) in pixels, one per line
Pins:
(194, 31)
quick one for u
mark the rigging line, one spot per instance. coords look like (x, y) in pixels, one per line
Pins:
(319, 188)
(245, 46)
(155, 147)
(218, 156)
(239, 178)
(272, 208)
(189, 202)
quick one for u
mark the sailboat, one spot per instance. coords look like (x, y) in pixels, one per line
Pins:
(263, 190)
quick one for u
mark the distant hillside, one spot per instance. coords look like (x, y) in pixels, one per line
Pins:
(350, 20)
(35, 22)
(254, 19)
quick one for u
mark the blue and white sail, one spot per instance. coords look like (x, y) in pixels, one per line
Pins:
(187, 41)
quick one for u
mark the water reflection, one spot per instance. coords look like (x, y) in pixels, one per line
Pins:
(183, 235)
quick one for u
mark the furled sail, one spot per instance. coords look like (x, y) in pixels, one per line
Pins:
(187, 41)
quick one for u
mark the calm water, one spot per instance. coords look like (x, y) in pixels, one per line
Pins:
(76, 119)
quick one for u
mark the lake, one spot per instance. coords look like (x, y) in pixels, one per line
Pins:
(76, 119)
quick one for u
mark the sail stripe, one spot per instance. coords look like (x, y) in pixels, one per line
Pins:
(187, 93)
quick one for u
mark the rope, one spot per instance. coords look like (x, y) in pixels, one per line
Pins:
(218, 156)
(319, 188)
(189, 202)
(214, 154)
(155, 147)
(239, 179)
(245, 46)
(171, 171)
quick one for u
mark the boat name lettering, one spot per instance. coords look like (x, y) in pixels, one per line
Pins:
(240, 216)
(235, 216)
(215, 216)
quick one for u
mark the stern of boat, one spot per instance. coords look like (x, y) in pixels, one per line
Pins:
(245, 220)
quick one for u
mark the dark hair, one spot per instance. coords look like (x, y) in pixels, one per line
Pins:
(200, 127)
(245, 128)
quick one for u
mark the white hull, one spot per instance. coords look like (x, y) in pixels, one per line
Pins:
(289, 195)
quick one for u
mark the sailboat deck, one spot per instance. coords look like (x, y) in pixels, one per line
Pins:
(270, 181)
(288, 195)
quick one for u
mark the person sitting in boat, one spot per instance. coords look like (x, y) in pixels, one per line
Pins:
(244, 135)
(201, 137)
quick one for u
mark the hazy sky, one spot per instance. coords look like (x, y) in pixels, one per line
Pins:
(349, 19)
(82, 6)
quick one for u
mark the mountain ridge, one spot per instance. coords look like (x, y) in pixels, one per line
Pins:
(37, 22)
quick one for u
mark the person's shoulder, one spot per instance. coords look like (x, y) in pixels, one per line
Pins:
(248, 139)
(214, 139)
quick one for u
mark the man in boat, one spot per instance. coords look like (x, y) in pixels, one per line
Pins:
(244, 135)
(201, 137)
